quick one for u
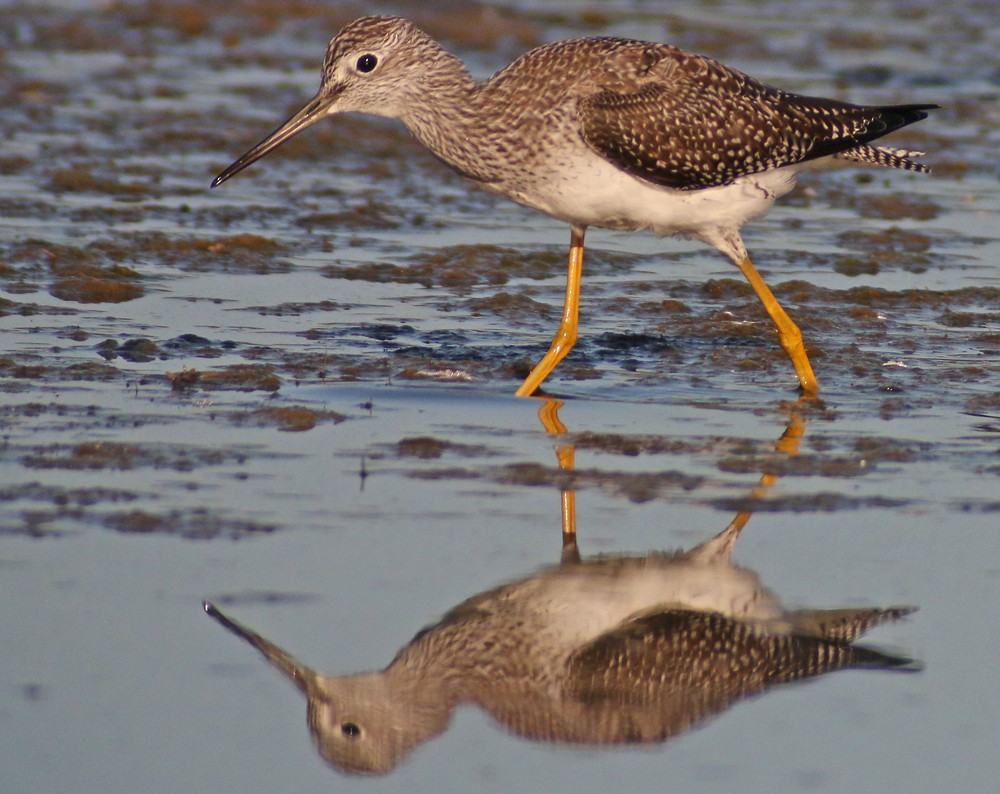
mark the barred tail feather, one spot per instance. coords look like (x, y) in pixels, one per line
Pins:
(884, 155)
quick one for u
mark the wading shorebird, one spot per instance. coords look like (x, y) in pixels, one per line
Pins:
(605, 651)
(606, 132)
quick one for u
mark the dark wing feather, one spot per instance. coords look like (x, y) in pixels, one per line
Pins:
(661, 674)
(698, 124)
(844, 625)
(705, 657)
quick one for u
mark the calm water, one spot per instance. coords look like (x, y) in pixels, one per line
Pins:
(292, 396)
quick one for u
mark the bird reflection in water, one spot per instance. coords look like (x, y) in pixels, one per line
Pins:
(606, 650)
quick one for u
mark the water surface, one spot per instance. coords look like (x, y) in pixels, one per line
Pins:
(292, 395)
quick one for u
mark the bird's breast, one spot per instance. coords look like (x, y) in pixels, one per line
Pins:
(580, 187)
(573, 606)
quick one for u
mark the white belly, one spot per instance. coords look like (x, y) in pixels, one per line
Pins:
(572, 606)
(587, 190)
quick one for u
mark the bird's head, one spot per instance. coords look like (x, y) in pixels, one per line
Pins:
(373, 65)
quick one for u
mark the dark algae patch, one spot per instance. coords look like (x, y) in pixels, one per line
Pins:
(197, 524)
(289, 418)
(237, 377)
(116, 456)
(82, 284)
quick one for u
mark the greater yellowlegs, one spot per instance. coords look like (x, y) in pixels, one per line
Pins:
(613, 650)
(606, 132)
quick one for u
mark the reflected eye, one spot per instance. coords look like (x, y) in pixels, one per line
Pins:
(350, 730)
(367, 62)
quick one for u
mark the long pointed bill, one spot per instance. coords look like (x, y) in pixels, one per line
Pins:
(315, 110)
(304, 677)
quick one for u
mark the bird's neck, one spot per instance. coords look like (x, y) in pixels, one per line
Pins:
(442, 113)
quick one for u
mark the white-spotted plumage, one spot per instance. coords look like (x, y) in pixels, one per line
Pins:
(604, 132)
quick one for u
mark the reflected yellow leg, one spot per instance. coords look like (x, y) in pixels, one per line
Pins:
(788, 444)
(565, 337)
(789, 441)
(568, 501)
(548, 415)
(789, 334)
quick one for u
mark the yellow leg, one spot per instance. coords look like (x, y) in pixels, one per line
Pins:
(789, 334)
(565, 337)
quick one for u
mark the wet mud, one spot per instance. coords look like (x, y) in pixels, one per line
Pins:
(108, 224)
(323, 347)
(84, 229)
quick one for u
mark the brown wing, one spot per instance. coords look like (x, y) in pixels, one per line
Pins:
(705, 659)
(692, 123)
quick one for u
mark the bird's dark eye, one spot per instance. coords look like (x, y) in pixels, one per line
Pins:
(367, 62)
(350, 730)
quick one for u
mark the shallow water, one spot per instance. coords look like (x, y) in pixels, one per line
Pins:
(292, 396)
